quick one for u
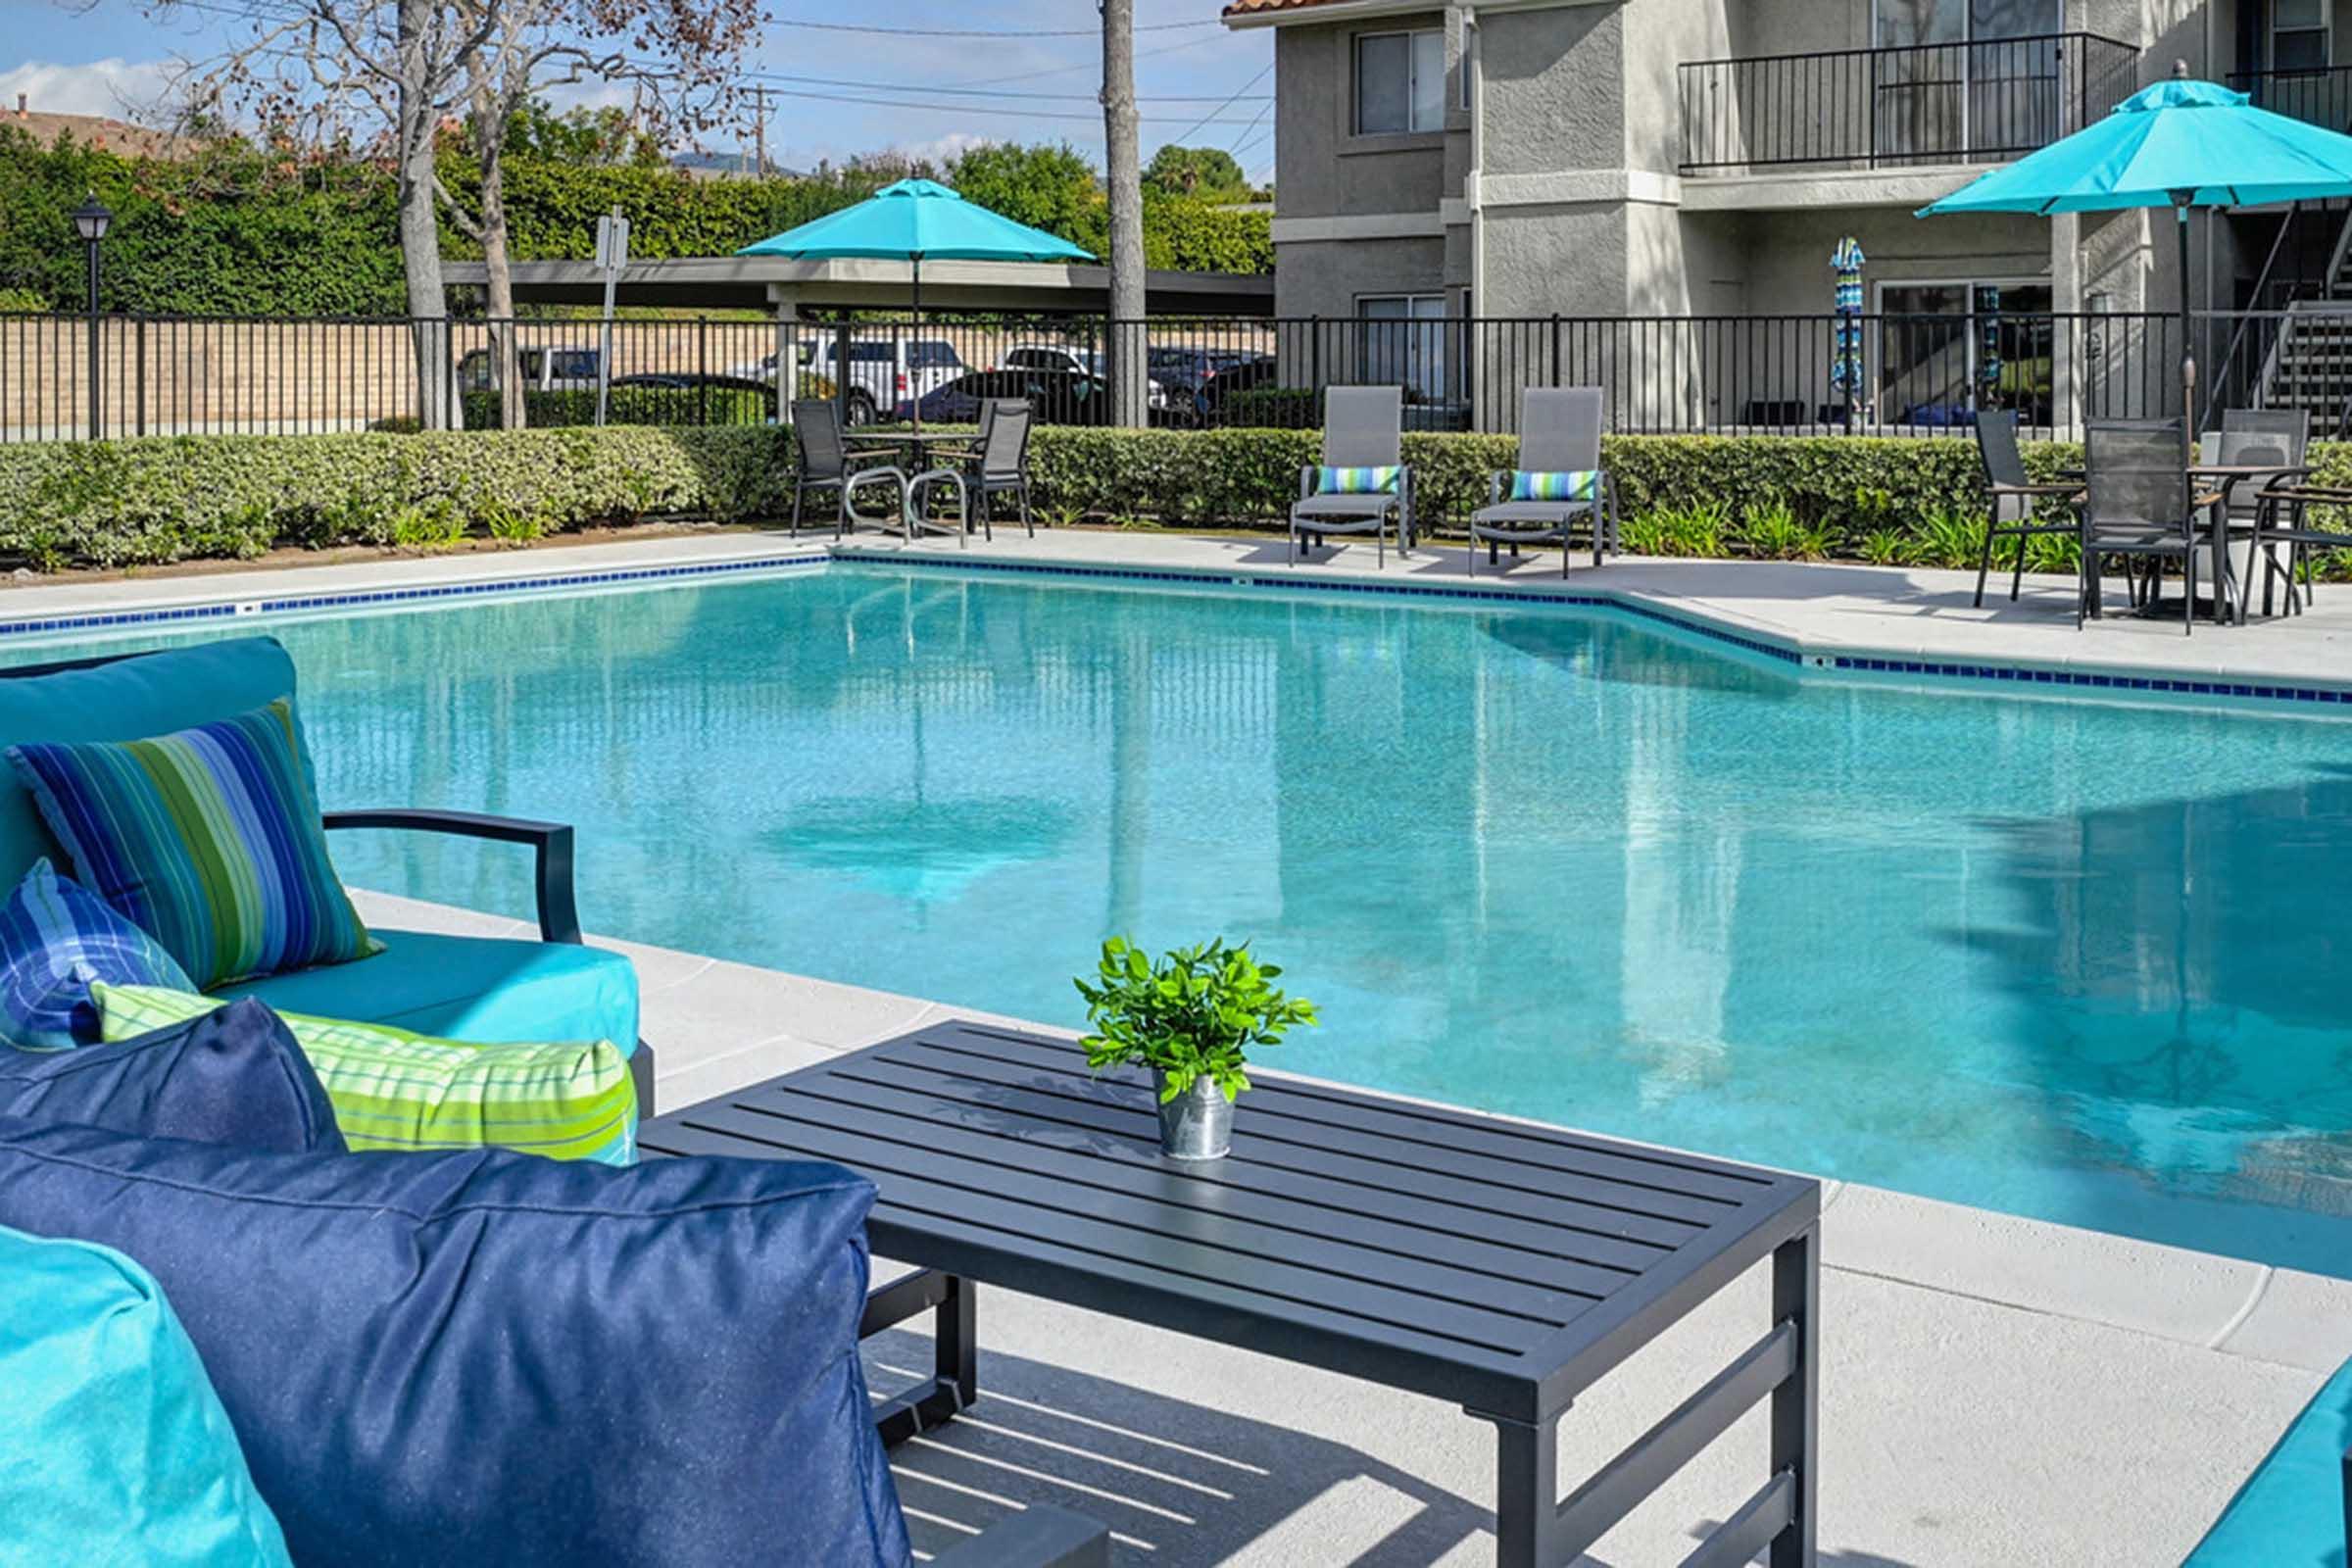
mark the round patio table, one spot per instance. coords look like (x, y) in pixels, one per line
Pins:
(920, 445)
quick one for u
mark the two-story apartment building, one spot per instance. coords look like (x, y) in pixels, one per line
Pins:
(1702, 158)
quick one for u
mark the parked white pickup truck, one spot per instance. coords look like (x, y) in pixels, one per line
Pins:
(883, 374)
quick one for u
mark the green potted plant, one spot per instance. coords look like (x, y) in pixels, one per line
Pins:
(1192, 1017)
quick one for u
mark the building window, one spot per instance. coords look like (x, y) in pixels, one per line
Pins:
(1400, 82)
(1947, 350)
(2299, 35)
(1401, 342)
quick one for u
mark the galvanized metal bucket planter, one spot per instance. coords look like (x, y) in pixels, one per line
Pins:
(1197, 1124)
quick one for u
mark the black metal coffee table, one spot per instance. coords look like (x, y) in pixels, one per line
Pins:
(1500, 1267)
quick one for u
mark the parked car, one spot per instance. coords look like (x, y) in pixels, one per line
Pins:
(569, 367)
(1077, 362)
(883, 374)
(1059, 397)
(1244, 375)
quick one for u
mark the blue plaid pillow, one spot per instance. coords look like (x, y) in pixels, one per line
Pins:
(56, 938)
(1356, 481)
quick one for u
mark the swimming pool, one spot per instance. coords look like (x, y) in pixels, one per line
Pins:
(2072, 958)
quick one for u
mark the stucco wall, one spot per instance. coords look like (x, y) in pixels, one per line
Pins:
(1567, 259)
(1322, 168)
(1326, 277)
(1556, 88)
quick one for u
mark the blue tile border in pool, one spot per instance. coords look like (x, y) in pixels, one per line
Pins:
(229, 609)
(1394, 590)
(1851, 663)
(2029, 675)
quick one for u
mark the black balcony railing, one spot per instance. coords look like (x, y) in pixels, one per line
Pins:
(2318, 97)
(1950, 103)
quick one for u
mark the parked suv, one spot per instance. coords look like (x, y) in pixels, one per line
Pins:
(884, 374)
(1086, 363)
(567, 368)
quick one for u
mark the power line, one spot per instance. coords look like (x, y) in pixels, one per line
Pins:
(1254, 123)
(981, 32)
(979, 109)
(1212, 116)
(1063, 70)
(975, 92)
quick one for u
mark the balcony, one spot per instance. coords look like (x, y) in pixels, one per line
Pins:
(2320, 96)
(1982, 102)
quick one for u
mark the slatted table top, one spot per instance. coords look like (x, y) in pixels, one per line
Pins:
(1500, 1265)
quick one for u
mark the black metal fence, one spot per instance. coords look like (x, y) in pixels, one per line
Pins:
(1976, 102)
(1908, 374)
(2319, 96)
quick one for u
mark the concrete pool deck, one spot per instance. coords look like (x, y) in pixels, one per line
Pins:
(1995, 1390)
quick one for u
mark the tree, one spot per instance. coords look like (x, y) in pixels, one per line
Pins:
(1124, 180)
(1211, 173)
(1050, 185)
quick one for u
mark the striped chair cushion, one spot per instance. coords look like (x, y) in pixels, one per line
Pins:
(392, 1089)
(1356, 481)
(56, 938)
(208, 840)
(1576, 484)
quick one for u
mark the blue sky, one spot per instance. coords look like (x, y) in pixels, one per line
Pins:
(99, 59)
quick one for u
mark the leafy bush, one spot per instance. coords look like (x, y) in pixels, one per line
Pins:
(133, 503)
(1198, 1012)
(553, 407)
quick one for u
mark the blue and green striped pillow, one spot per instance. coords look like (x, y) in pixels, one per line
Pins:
(56, 939)
(1574, 484)
(395, 1089)
(1356, 481)
(208, 840)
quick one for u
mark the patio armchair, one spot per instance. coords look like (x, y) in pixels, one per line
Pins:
(829, 463)
(2014, 496)
(2137, 506)
(998, 464)
(1363, 439)
(1559, 448)
(2276, 441)
(484, 990)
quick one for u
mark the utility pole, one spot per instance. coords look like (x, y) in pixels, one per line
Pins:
(760, 126)
(1123, 172)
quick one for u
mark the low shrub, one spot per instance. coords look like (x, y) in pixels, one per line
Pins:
(115, 503)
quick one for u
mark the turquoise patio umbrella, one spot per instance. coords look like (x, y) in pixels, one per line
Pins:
(2179, 144)
(913, 218)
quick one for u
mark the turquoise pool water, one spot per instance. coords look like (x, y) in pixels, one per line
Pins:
(2075, 960)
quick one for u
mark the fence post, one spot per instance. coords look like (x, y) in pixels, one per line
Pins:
(1559, 370)
(702, 370)
(138, 370)
(1314, 354)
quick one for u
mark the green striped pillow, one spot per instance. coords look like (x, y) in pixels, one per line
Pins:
(1573, 484)
(1356, 481)
(392, 1089)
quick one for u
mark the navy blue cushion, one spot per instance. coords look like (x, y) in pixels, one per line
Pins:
(234, 1076)
(487, 1357)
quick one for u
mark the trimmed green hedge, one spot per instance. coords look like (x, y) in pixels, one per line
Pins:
(163, 499)
(146, 502)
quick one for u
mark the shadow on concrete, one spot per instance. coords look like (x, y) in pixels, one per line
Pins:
(1180, 1485)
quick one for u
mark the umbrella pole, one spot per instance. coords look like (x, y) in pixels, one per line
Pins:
(2189, 354)
(915, 379)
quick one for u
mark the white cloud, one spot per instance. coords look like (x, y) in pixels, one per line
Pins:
(119, 89)
(941, 150)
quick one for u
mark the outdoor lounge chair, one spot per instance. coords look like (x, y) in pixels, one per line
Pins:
(828, 462)
(2012, 496)
(1559, 438)
(2137, 506)
(481, 989)
(1364, 430)
(997, 464)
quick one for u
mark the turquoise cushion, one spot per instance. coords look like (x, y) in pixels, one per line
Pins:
(485, 990)
(2290, 1512)
(152, 694)
(113, 1447)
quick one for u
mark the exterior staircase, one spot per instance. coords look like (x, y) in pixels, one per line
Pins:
(2309, 365)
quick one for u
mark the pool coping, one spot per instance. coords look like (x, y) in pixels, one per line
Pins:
(122, 604)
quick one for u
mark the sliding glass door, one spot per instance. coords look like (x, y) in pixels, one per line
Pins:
(1965, 81)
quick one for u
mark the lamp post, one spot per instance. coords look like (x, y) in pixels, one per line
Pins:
(91, 221)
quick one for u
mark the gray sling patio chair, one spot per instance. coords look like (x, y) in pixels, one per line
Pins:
(2275, 441)
(1363, 428)
(2137, 506)
(2012, 496)
(1559, 432)
(828, 462)
(998, 464)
